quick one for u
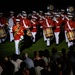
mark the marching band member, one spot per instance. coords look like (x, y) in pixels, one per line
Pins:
(19, 15)
(65, 26)
(57, 23)
(48, 23)
(11, 22)
(62, 14)
(40, 22)
(23, 12)
(2, 28)
(67, 16)
(34, 24)
(18, 32)
(69, 26)
(40, 17)
(34, 13)
(25, 22)
(41, 13)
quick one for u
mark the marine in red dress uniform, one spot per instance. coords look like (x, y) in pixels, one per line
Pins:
(18, 32)
(47, 24)
(34, 24)
(57, 23)
(25, 22)
(3, 22)
(69, 27)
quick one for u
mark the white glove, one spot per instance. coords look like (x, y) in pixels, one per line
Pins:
(21, 37)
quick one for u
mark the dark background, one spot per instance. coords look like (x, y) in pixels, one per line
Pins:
(29, 5)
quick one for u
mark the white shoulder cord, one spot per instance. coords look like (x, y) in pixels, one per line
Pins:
(55, 20)
(47, 23)
(32, 21)
(66, 17)
(25, 24)
(69, 25)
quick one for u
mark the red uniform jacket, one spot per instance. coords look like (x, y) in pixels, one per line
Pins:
(57, 25)
(17, 34)
(69, 25)
(26, 23)
(48, 22)
(41, 22)
(34, 26)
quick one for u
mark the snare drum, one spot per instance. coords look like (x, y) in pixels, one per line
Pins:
(49, 32)
(2, 33)
(71, 35)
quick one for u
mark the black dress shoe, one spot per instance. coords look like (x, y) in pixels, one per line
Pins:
(66, 42)
(48, 46)
(45, 40)
(12, 40)
(57, 44)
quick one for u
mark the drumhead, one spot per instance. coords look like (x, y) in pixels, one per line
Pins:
(3, 33)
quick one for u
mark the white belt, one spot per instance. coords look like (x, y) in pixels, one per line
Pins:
(41, 27)
(58, 27)
(34, 27)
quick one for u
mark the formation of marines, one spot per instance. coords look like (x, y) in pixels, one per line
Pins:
(49, 25)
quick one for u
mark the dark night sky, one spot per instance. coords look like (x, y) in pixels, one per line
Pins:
(29, 5)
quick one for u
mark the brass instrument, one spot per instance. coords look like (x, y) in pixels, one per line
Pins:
(70, 9)
(29, 32)
(50, 7)
(16, 30)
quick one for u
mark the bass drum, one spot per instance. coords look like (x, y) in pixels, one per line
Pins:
(48, 32)
(71, 35)
(2, 33)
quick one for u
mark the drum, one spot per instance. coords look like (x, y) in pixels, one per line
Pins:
(49, 32)
(71, 35)
(2, 33)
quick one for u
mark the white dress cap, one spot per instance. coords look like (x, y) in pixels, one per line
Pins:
(33, 11)
(34, 17)
(17, 20)
(40, 11)
(24, 14)
(1, 13)
(57, 15)
(70, 15)
(12, 12)
(62, 10)
(47, 13)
